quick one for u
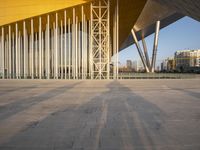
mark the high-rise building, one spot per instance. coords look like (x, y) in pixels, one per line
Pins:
(168, 64)
(189, 58)
(129, 64)
(135, 65)
(186, 59)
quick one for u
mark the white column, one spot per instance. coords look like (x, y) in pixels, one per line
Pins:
(114, 45)
(117, 37)
(1, 57)
(69, 48)
(24, 42)
(9, 52)
(6, 55)
(29, 55)
(108, 46)
(58, 52)
(65, 43)
(2, 48)
(48, 48)
(61, 49)
(13, 56)
(146, 53)
(79, 50)
(139, 50)
(40, 47)
(52, 50)
(16, 50)
(42, 55)
(19, 54)
(155, 47)
(73, 43)
(36, 55)
(86, 58)
(32, 54)
(91, 41)
(82, 42)
(76, 47)
(100, 44)
(56, 47)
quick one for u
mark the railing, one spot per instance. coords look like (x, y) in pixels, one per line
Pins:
(157, 76)
(121, 76)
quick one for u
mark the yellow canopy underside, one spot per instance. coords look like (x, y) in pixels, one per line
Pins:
(15, 10)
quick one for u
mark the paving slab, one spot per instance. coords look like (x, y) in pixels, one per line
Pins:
(100, 115)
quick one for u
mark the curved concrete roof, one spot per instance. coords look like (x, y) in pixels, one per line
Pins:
(167, 11)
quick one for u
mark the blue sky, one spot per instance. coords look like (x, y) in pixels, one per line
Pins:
(183, 34)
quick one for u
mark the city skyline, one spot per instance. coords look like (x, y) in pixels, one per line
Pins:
(168, 44)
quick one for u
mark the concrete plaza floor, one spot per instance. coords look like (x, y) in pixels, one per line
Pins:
(100, 115)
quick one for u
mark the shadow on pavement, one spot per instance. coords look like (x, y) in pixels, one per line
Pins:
(24, 103)
(118, 119)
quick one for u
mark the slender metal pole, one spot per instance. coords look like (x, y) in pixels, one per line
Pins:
(12, 56)
(114, 45)
(65, 43)
(36, 55)
(40, 47)
(117, 37)
(139, 50)
(86, 59)
(76, 48)
(30, 54)
(73, 43)
(7, 54)
(42, 55)
(69, 48)
(100, 43)
(24, 42)
(56, 47)
(61, 49)
(91, 42)
(146, 53)
(53, 50)
(32, 43)
(108, 45)
(9, 48)
(79, 50)
(7, 57)
(19, 54)
(155, 46)
(59, 63)
(3, 56)
(48, 48)
(16, 50)
(82, 41)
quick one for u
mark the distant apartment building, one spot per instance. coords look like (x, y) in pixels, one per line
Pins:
(187, 59)
(168, 64)
(135, 65)
(140, 66)
(129, 64)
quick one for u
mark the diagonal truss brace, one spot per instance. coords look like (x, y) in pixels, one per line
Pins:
(100, 39)
(149, 67)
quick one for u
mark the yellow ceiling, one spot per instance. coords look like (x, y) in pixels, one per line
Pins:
(15, 10)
